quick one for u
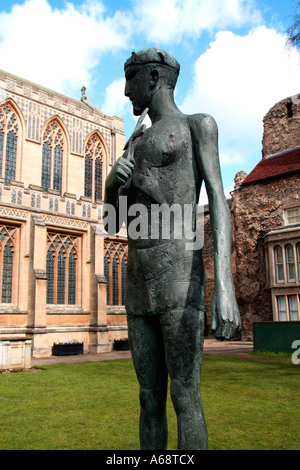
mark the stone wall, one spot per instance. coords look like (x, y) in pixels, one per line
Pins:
(256, 209)
(281, 126)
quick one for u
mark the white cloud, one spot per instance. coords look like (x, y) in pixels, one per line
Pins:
(115, 102)
(169, 20)
(237, 80)
(59, 47)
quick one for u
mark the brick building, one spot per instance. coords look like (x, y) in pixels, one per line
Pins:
(61, 279)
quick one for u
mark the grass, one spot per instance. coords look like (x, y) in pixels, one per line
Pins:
(251, 403)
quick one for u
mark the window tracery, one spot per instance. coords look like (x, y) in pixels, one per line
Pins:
(52, 157)
(9, 130)
(7, 249)
(93, 168)
(115, 263)
(61, 268)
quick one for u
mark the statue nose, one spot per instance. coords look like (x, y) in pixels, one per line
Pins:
(127, 91)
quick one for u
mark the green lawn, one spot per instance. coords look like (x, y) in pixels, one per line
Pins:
(248, 403)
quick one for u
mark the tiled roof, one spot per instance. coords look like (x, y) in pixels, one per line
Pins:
(275, 165)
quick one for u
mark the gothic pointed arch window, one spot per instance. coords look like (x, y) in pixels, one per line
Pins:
(115, 263)
(9, 133)
(52, 156)
(62, 268)
(7, 250)
(93, 167)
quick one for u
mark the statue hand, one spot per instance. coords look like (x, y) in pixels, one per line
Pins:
(120, 173)
(226, 322)
(123, 168)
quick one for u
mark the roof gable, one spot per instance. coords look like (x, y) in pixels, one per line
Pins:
(275, 165)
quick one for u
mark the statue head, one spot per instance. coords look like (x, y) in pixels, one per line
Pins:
(156, 57)
(146, 71)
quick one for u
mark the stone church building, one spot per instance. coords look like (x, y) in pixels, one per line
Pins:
(61, 279)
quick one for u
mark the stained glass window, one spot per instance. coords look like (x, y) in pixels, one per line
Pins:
(93, 167)
(72, 277)
(52, 157)
(8, 142)
(62, 253)
(106, 275)
(115, 260)
(88, 176)
(7, 240)
(7, 273)
(123, 277)
(11, 155)
(61, 272)
(57, 171)
(50, 275)
(115, 281)
(46, 166)
(98, 179)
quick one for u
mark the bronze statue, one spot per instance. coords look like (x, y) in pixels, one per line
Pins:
(164, 166)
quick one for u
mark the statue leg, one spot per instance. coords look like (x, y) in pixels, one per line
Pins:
(183, 338)
(146, 344)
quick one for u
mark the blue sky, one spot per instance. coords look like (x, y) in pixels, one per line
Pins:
(234, 61)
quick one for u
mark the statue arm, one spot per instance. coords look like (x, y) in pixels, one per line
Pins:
(225, 313)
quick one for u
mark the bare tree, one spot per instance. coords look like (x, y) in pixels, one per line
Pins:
(294, 30)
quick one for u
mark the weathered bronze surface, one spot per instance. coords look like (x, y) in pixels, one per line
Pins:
(164, 166)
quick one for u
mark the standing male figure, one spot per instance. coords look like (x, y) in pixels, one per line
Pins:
(165, 280)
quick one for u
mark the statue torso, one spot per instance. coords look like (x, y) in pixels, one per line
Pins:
(164, 171)
(162, 274)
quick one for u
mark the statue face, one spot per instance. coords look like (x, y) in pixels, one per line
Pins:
(138, 88)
